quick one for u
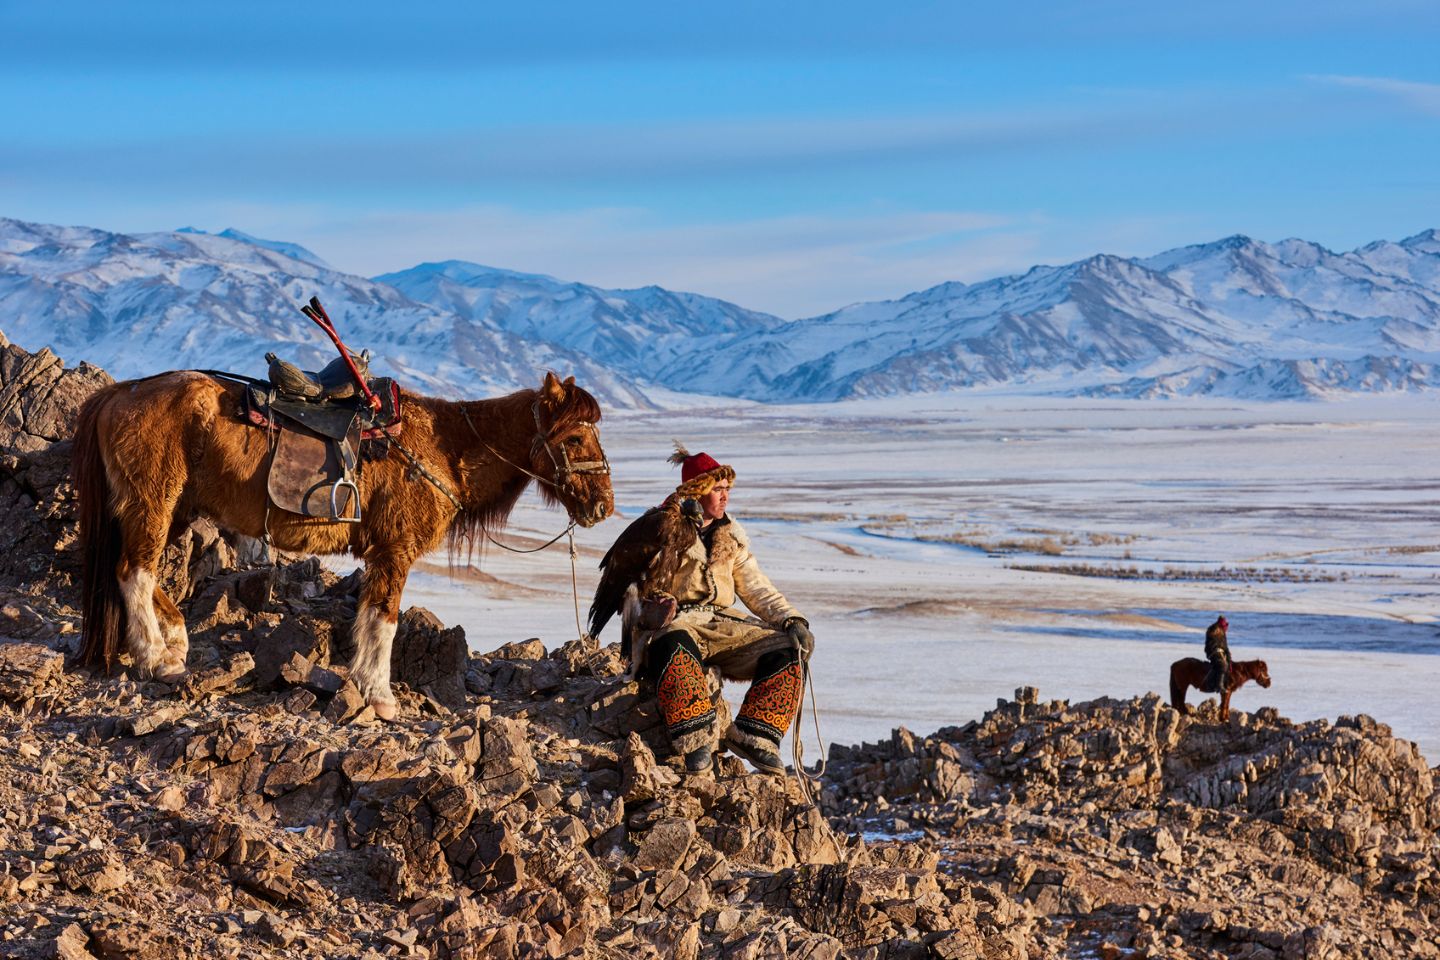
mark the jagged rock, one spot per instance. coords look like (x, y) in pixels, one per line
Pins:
(279, 638)
(347, 704)
(218, 679)
(147, 722)
(29, 673)
(619, 709)
(428, 657)
(124, 940)
(71, 944)
(94, 871)
(197, 554)
(275, 930)
(277, 884)
(295, 764)
(532, 649)
(846, 901)
(322, 681)
(39, 401)
(665, 844)
(20, 620)
(641, 778)
(506, 765)
(299, 701)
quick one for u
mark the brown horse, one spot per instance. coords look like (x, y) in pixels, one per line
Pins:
(149, 454)
(1191, 672)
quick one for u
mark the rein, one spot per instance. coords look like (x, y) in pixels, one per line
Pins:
(549, 543)
(564, 469)
(808, 780)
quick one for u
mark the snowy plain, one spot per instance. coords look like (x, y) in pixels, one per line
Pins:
(904, 529)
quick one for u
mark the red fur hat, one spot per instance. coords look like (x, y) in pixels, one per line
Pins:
(699, 472)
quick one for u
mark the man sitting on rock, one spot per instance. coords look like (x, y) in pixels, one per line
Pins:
(694, 579)
(1217, 651)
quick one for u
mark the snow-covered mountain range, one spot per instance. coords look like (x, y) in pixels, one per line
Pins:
(137, 304)
(1236, 317)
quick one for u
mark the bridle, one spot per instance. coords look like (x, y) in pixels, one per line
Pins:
(565, 468)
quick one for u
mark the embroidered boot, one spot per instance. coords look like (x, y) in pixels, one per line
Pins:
(683, 693)
(700, 759)
(768, 711)
(763, 756)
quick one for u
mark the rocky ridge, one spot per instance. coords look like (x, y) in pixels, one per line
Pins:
(523, 806)
(1133, 826)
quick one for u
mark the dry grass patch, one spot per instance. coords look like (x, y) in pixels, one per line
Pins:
(1049, 542)
(1219, 574)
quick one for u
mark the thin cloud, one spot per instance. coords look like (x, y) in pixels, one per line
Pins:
(1424, 97)
(792, 266)
(578, 154)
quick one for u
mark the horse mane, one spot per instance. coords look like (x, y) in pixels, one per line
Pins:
(1250, 668)
(579, 407)
(474, 520)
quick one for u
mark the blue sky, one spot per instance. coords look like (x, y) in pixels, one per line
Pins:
(789, 157)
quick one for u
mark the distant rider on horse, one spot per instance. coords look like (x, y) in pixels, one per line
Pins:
(1217, 651)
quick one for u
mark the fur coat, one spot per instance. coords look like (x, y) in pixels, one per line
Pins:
(706, 586)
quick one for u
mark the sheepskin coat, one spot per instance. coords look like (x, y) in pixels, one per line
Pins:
(707, 585)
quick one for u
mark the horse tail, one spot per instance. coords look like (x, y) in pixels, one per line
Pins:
(102, 605)
(1177, 686)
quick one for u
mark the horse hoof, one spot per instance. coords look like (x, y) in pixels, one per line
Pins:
(384, 709)
(172, 676)
(162, 673)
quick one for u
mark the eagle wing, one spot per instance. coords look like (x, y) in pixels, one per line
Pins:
(644, 553)
(623, 564)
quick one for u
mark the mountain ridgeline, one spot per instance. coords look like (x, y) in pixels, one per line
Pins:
(1235, 318)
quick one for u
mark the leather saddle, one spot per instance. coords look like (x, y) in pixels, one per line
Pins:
(321, 433)
(333, 382)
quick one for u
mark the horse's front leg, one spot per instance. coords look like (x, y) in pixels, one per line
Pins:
(1225, 704)
(375, 623)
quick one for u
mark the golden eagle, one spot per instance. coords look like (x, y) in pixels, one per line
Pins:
(642, 565)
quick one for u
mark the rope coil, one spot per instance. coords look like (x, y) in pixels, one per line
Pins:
(808, 781)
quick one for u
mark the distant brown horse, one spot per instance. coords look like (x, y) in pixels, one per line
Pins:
(151, 453)
(1191, 672)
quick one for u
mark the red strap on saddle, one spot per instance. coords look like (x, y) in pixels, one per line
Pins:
(316, 312)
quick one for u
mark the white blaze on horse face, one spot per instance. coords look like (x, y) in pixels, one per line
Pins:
(142, 631)
(374, 633)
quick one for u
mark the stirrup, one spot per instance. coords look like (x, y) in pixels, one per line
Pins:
(335, 501)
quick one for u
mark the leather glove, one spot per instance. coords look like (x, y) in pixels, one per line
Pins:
(799, 631)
